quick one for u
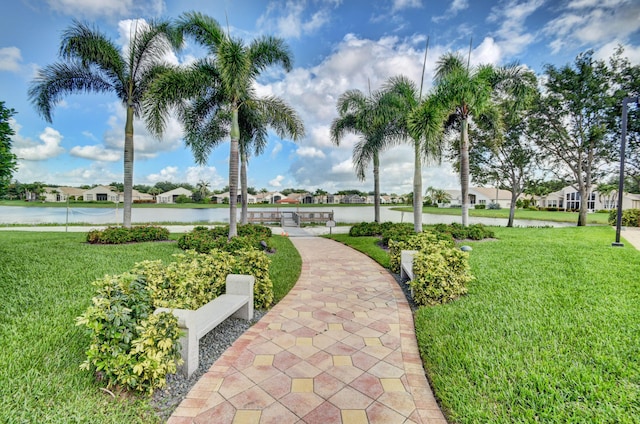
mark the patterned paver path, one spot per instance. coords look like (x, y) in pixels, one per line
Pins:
(339, 348)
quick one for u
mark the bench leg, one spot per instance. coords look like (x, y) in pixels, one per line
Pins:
(243, 285)
(190, 352)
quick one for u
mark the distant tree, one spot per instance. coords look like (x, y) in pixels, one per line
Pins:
(364, 116)
(626, 81)
(93, 63)
(437, 195)
(570, 124)
(142, 188)
(508, 158)
(8, 160)
(119, 187)
(165, 186)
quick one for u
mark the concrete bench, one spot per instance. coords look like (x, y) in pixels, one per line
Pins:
(236, 302)
(406, 263)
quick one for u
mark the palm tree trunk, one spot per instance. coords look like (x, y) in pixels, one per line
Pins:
(243, 187)
(464, 170)
(233, 173)
(376, 186)
(417, 188)
(128, 168)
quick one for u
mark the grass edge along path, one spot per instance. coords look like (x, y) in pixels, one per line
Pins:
(549, 331)
(45, 283)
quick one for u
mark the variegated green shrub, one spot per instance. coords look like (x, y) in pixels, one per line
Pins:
(418, 241)
(256, 263)
(189, 282)
(129, 346)
(441, 273)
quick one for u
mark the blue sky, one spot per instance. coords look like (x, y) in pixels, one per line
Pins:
(337, 45)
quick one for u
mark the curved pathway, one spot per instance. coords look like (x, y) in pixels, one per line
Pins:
(339, 348)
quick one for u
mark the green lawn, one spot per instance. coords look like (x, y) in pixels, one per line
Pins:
(45, 282)
(549, 331)
(592, 218)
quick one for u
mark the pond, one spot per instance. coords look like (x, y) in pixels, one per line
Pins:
(103, 216)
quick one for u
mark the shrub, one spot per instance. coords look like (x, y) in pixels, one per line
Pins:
(120, 235)
(630, 217)
(494, 206)
(132, 347)
(129, 346)
(480, 206)
(415, 242)
(441, 273)
(397, 232)
(183, 199)
(203, 240)
(458, 232)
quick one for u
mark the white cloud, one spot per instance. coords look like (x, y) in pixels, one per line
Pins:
(26, 149)
(288, 19)
(169, 173)
(455, 7)
(409, 4)
(276, 149)
(590, 23)
(512, 36)
(195, 174)
(10, 58)
(277, 181)
(109, 9)
(310, 152)
(95, 152)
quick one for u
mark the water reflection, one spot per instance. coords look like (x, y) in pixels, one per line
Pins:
(343, 214)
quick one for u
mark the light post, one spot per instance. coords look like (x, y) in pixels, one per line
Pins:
(623, 143)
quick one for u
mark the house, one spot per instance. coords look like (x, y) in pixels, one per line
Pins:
(171, 195)
(568, 198)
(109, 194)
(100, 194)
(482, 196)
(353, 199)
(220, 198)
(62, 194)
(306, 198)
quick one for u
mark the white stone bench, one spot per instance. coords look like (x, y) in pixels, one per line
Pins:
(406, 263)
(236, 302)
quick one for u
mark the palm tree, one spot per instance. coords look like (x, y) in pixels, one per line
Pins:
(211, 94)
(203, 188)
(465, 93)
(93, 63)
(361, 114)
(418, 121)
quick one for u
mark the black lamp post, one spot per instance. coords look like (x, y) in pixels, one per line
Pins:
(623, 143)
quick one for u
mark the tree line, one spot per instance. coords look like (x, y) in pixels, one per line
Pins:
(502, 126)
(497, 124)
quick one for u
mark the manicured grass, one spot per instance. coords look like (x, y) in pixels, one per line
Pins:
(367, 245)
(285, 268)
(549, 331)
(45, 283)
(592, 218)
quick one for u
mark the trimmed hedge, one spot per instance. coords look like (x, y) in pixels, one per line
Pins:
(135, 234)
(203, 239)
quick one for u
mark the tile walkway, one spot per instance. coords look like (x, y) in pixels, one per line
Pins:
(339, 348)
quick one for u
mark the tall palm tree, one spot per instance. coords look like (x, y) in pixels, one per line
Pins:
(466, 93)
(418, 121)
(361, 114)
(211, 93)
(91, 62)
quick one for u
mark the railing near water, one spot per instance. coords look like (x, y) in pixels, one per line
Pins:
(282, 217)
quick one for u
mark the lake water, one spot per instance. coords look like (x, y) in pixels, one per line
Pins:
(342, 214)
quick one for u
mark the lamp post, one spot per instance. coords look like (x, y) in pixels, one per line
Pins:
(623, 143)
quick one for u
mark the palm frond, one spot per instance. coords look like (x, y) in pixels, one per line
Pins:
(203, 28)
(268, 50)
(59, 79)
